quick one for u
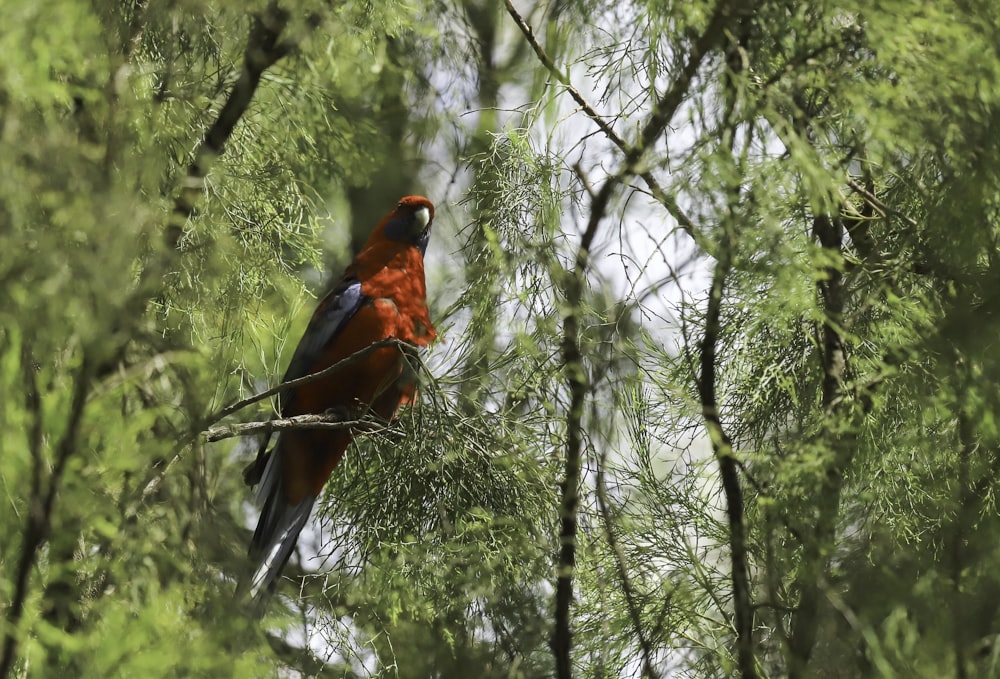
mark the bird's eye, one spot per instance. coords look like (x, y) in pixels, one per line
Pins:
(399, 205)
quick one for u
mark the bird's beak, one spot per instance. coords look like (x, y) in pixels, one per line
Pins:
(423, 218)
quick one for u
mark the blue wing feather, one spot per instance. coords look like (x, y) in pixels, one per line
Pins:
(333, 312)
(280, 522)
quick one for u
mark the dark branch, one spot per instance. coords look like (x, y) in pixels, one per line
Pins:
(964, 521)
(871, 199)
(264, 48)
(576, 374)
(729, 468)
(833, 358)
(663, 112)
(576, 377)
(563, 79)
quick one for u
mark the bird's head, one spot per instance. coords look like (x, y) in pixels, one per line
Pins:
(410, 222)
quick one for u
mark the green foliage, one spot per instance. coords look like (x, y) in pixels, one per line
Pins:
(831, 166)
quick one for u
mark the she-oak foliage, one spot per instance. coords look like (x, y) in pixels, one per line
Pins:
(730, 265)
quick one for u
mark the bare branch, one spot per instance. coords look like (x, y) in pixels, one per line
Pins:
(332, 421)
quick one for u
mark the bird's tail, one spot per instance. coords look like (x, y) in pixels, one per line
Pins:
(277, 531)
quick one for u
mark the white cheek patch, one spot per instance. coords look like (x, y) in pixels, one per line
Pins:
(423, 217)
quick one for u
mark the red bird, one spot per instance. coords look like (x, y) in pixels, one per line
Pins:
(382, 295)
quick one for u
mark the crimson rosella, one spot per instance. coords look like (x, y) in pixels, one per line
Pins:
(381, 296)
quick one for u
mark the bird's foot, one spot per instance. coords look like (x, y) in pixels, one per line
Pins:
(341, 413)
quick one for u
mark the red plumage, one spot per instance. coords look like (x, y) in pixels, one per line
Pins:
(381, 295)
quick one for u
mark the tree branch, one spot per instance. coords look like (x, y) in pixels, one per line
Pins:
(883, 209)
(264, 49)
(728, 468)
(577, 382)
(304, 660)
(965, 515)
(330, 421)
(219, 433)
(858, 222)
(563, 79)
(815, 550)
(663, 112)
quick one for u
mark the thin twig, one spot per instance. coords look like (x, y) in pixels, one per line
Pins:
(305, 661)
(157, 478)
(663, 113)
(563, 79)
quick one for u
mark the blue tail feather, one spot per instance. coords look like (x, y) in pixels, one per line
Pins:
(277, 532)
